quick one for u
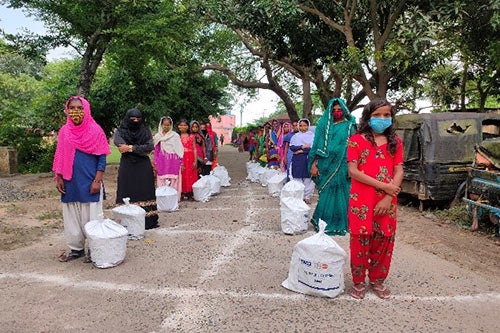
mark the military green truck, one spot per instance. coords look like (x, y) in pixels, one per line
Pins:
(439, 150)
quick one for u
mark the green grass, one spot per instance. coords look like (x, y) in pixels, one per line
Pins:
(114, 157)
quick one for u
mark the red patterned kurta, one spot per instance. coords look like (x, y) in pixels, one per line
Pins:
(189, 174)
(377, 163)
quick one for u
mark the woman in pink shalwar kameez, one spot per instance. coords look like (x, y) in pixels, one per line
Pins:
(168, 155)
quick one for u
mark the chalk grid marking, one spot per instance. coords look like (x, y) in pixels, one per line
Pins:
(58, 280)
(191, 296)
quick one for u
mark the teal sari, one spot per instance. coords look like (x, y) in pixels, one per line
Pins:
(329, 149)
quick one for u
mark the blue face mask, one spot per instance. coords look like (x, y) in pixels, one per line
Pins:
(379, 125)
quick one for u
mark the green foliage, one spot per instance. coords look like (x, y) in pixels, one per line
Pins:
(114, 157)
(456, 215)
(461, 217)
(34, 152)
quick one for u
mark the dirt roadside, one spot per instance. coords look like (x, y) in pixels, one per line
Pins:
(25, 221)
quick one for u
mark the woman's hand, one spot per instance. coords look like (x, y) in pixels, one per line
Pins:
(391, 189)
(60, 184)
(314, 171)
(383, 206)
(124, 148)
(95, 187)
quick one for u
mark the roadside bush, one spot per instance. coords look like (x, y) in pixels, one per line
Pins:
(456, 215)
(34, 152)
(461, 216)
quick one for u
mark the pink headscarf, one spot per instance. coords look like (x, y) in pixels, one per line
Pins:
(87, 137)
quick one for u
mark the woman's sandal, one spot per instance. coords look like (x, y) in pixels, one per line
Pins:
(358, 291)
(71, 255)
(380, 290)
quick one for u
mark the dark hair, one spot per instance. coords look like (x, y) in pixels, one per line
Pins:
(187, 124)
(364, 123)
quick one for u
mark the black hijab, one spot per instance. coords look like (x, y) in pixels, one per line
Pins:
(134, 133)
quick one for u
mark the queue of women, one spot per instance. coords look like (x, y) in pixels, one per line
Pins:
(179, 159)
(356, 169)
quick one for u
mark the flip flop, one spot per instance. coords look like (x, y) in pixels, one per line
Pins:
(358, 291)
(380, 290)
(72, 255)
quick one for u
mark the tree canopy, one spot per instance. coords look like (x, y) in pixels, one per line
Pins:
(178, 58)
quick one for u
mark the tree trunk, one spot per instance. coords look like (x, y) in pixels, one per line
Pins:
(96, 46)
(463, 85)
(307, 100)
(483, 95)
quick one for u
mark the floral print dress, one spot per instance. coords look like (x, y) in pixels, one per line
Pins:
(376, 162)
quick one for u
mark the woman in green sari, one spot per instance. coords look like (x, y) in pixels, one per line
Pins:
(328, 166)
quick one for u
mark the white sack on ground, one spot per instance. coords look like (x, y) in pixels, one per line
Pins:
(202, 190)
(261, 174)
(221, 172)
(275, 184)
(316, 267)
(270, 173)
(293, 189)
(295, 216)
(214, 184)
(167, 199)
(252, 171)
(132, 217)
(107, 242)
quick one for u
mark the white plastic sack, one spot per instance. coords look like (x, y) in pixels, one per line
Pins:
(316, 267)
(107, 242)
(167, 199)
(260, 175)
(252, 171)
(295, 215)
(201, 189)
(268, 174)
(293, 189)
(214, 184)
(132, 217)
(275, 184)
(221, 172)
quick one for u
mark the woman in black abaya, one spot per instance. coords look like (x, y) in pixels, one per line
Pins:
(135, 174)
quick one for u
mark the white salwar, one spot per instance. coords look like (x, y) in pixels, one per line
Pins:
(75, 216)
(309, 187)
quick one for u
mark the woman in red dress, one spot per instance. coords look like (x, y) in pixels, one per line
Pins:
(188, 166)
(375, 159)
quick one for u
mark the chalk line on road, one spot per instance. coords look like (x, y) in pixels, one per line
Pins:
(59, 280)
(191, 307)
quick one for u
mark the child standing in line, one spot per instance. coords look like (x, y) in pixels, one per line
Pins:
(375, 159)
(300, 145)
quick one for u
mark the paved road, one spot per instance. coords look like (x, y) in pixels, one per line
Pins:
(218, 267)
